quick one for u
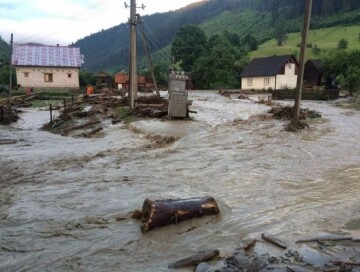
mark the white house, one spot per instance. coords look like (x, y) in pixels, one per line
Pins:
(43, 66)
(276, 72)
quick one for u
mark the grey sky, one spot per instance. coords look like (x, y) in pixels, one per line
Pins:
(65, 21)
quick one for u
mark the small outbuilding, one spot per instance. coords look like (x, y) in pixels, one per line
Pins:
(44, 66)
(104, 80)
(314, 75)
(276, 72)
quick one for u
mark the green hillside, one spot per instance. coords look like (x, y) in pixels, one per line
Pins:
(4, 50)
(325, 39)
(240, 22)
(109, 49)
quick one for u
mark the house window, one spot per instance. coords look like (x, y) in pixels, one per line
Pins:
(26, 74)
(48, 77)
(249, 81)
(69, 75)
(266, 81)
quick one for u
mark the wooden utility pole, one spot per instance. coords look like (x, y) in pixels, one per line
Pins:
(300, 80)
(133, 59)
(149, 60)
(10, 67)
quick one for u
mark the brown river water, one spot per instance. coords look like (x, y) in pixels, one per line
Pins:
(65, 202)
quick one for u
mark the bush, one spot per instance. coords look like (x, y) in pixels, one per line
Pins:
(316, 50)
(343, 44)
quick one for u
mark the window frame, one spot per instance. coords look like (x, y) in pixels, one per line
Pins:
(266, 81)
(249, 82)
(48, 77)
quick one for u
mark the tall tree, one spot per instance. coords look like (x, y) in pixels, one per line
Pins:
(188, 45)
(219, 65)
(345, 67)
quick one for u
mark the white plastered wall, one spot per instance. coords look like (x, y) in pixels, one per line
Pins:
(36, 79)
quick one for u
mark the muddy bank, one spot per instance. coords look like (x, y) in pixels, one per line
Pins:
(68, 199)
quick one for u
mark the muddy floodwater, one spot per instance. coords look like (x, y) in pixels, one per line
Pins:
(66, 202)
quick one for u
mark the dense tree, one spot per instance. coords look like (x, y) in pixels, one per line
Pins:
(350, 80)
(250, 42)
(345, 67)
(86, 78)
(188, 45)
(219, 65)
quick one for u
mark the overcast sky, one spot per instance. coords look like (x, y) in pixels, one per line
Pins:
(65, 21)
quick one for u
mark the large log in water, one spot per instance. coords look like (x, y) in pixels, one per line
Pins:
(160, 213)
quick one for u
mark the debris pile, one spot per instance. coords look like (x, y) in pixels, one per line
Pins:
(81, 117)
(8, 115)
(151, 106)
(8, 112)
(286, 112)
(334, 253)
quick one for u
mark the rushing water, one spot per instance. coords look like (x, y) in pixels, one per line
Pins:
(65, 202)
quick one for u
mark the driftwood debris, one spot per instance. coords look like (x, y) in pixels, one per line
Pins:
(274, 240)
(91, 132)
(160, 213)
(7, 141)
(323, 239)
(88, 124)
(286, 112)
(250, 245)
(200, 257)
(345, 263)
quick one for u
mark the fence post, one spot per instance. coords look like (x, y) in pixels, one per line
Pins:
(51, 117)
(65, 107)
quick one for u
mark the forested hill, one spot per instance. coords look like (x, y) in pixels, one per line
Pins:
(109, 50)
(4, 51)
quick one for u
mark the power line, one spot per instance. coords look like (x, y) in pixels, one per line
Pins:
(94, 10)
(254, 24)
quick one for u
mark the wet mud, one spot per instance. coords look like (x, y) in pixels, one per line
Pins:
(66, 202)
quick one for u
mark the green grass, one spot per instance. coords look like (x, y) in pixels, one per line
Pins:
(45, 103)
(326, 39)
(123, 113)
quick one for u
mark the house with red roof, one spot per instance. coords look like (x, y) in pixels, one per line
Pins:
(47, 67)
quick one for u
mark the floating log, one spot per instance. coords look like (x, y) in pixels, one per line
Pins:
(160, 213)
(273, 240)
(200, 257)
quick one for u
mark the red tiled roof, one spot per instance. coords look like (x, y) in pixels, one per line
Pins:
(43, 55)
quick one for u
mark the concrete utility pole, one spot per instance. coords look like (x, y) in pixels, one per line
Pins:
(300, 80)
(133, 61)
(10, 67)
